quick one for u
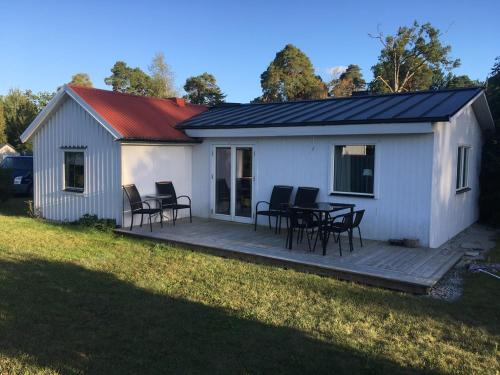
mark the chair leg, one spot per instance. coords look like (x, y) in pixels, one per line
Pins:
(142, 217)
(255, 224)
(276, 225)
(132, 221)
(150, 223)
(173, 216)
(340, 245)
(360, 239)
(351, 247)
(279, 224)
(270, 226)
(161, 219)
(190, 215)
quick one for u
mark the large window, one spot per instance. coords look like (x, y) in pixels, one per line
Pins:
(354, 169)
(74, 174)
(462, 167)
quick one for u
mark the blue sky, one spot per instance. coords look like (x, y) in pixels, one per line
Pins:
(44, 43)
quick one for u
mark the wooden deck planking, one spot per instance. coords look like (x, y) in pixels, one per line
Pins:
(376, 263)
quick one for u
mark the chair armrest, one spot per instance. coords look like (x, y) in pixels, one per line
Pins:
(185, 196)
(259, 202)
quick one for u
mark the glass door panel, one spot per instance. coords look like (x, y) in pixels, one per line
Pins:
(244, 180)
(223, 180)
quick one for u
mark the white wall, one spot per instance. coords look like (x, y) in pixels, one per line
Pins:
(451, 212)
(403, 174)
(70, 125)
(144, 164)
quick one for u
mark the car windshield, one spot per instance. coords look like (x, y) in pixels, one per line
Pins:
(17, 163)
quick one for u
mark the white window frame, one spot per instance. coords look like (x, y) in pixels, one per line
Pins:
(73, 190)
(462, 168)
(375, 170)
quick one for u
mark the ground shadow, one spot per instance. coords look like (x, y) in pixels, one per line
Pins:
(72, 319)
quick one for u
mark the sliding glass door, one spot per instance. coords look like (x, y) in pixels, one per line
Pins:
(233, 182)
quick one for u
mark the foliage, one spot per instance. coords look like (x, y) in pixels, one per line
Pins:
(129, 80)
(349, 81)
(490, 169)
(81, 79)
(290, 76)
(3, 133)
(410, 58)
(74, 300)
(20, 109)
(162, 78)
(203, 89)
(5, 184)
(450, 80)
(93, 222)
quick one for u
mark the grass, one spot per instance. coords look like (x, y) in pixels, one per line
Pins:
(77, 300)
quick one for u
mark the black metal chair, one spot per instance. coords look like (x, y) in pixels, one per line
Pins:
(167, 188)
(307, 222)
(336, 226)
(137, 206)
(280, 199)
(358, 217)
(304, 196)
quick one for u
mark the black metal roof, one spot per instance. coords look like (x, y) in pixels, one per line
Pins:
(420, 106)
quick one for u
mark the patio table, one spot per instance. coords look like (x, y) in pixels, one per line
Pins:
(322, 210)
(158, 198)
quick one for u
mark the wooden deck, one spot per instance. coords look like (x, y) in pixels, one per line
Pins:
(377, 263)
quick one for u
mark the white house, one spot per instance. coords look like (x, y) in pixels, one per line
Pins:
(7, 150)
(411, 160)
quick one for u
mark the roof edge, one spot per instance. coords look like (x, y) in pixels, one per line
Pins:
(52, 105)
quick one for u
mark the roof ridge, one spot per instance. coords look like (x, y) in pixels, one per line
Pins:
(134, 95)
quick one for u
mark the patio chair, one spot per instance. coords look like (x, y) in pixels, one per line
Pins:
(336, 226)
(307, 222)
(280, 199)
(167, 188)
(137, 206)
(358, 216)
(304, 196)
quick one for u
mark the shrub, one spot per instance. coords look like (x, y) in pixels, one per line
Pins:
(93, 222)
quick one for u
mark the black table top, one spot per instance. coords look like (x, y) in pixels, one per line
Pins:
(323, 206)
(159, 196)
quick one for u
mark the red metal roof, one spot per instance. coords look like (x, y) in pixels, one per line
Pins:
(138, 117)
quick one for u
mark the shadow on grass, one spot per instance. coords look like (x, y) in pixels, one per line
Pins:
(72, 319)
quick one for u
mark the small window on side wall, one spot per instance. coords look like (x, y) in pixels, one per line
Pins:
(74, 171)
(462, 168)
(354, 169)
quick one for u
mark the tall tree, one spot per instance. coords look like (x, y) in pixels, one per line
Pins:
(203, 89)
(81, 79)
(410, 58)
(290, 76)
(489, 200)
(349, 81)
(129, 80)
(3, 135)
(450, 80)
(162, 77)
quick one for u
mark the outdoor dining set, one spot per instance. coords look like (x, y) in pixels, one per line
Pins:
(306, 216)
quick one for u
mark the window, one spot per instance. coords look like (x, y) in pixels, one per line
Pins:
(74, 176)
(462, 167)
(354, 169)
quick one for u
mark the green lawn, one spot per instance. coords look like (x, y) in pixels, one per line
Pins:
(76, 300)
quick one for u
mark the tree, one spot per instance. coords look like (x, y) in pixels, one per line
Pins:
(489, 200)
(409, 60)
(203, 89)
(3, 135)
(162, 77)
(81, 79)
(129, 80)
(442, 81)
(20, 109)
(290, 76)
(349, 81)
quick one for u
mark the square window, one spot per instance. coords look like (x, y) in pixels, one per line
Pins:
(354, 169)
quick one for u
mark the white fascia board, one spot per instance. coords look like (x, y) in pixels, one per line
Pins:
(53, 104)
(296, 131)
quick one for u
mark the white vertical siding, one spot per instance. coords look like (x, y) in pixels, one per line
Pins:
(403, 173)
(144, 164)
(451, 212)
(70, 125)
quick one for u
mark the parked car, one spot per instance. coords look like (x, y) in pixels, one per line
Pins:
(21, 168)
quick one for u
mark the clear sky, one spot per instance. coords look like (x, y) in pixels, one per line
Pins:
(43, 43)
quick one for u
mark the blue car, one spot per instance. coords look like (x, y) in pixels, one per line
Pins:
(22, 173)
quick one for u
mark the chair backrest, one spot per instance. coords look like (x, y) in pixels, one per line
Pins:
(280, 196)
(306, 195)
(358, 216)
(346, 222)
(133, 196)
(166, 188)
